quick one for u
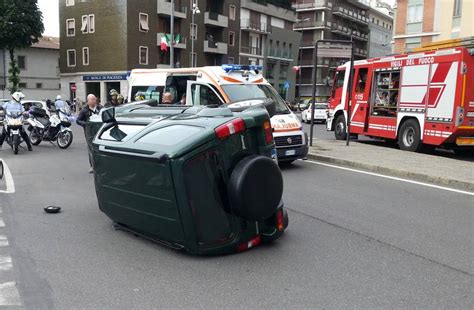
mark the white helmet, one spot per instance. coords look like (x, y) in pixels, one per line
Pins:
(58, 97)
(18, 96)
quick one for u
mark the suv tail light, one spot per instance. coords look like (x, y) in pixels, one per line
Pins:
(279, 220)
(267, 129)
(249, 244)
(230, 128)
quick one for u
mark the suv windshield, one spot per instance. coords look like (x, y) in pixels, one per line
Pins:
(241, 92)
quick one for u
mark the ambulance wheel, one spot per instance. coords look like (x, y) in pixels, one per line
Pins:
(340, 128)
(409, 136)
(255, 188)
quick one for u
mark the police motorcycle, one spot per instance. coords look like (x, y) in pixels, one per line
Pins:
(13, 126)
(51, 129)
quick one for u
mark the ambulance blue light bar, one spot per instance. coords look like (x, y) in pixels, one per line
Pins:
(228, 68)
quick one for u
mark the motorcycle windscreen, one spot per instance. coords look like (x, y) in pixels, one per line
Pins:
(206, 192)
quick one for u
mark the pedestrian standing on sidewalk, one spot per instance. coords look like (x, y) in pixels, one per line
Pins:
(90, 109)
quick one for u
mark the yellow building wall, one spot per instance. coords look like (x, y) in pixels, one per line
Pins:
(444, 16)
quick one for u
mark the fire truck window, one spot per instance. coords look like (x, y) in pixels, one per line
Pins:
(338, 81)
(385, 96)
(361, 80)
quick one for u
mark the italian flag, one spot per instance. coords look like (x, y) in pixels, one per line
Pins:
(166, 39)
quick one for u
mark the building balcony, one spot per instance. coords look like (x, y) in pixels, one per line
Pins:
(348, 32)
(251, 50)
(360, 52)
(310, 63)
(246, 24)
(164, 9)
(310, 5)
(181, 44)
(279, 54)
(315, 24)
(215, 19)
(350, 15)
(215, 47)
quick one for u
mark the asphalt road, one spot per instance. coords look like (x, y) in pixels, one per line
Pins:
(354, 241)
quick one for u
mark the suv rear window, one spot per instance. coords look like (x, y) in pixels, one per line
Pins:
(170, 135)
(120, 132)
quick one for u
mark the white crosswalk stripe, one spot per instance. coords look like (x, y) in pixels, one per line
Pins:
(9, 294)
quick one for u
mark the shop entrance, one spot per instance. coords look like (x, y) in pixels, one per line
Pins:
(109, 86)
(93, 88)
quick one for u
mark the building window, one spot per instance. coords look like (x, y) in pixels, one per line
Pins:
(39, 85)
(230, 60)
(411, 43)
(22, 85)
(71, 27)
(232, 11)
(69, 2)
(231, 38)
(415, 11)
(457, 8)
(143, 57)
(21, 62)
(143, 22)
(71, 58)
(85, 56)
(193, 31)
(91, 23)
(85, 23)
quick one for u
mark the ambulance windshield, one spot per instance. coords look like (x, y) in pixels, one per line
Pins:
(241, 92)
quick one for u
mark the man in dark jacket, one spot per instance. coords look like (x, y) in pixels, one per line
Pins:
(90, 109)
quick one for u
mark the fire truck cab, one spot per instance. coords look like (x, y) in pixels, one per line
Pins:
(419, 99)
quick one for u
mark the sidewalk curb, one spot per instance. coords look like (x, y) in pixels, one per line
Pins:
(462, 185)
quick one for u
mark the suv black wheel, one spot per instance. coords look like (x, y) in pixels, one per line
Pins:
(340, 128)
(409, 136)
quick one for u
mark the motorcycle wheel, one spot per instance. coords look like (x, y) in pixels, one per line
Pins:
(35, 138)
(64, 139)
(16, 143)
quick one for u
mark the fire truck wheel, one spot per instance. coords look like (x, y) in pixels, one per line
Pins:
(340, 128)
(409, 136)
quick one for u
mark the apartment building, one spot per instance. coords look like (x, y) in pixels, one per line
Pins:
(267, 38)
(39, 70)
(419, 22)
(381, 29)
(328, 19)
(101, 41)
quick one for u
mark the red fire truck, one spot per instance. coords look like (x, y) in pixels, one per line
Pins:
(422, 99)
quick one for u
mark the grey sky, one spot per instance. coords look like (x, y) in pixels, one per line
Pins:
(51, 15)
(50, 11)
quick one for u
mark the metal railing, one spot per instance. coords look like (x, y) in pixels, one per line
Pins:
(253, 50)
(248, 24)
(311, 4)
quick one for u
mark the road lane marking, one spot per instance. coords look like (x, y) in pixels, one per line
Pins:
(9, 295)
(2, 223)
(5, 262)
(10, 184)
(3, 241)
(392, 178)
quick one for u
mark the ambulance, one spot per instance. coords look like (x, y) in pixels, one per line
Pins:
(421, 100)
(224, 85)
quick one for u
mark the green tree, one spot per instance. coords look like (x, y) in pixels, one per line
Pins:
(21, 25)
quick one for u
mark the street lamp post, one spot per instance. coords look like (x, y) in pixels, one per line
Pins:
(193, 35)
(172, 35)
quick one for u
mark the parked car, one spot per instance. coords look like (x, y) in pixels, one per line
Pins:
(27, 104)
(320, 113)
(2, 111)
(201, 179)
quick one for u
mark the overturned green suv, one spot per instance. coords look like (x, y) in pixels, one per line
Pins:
(193, 178)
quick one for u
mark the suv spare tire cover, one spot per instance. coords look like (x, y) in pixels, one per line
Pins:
(255, 188)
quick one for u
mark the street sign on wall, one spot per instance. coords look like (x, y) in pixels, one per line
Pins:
(105, 77)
